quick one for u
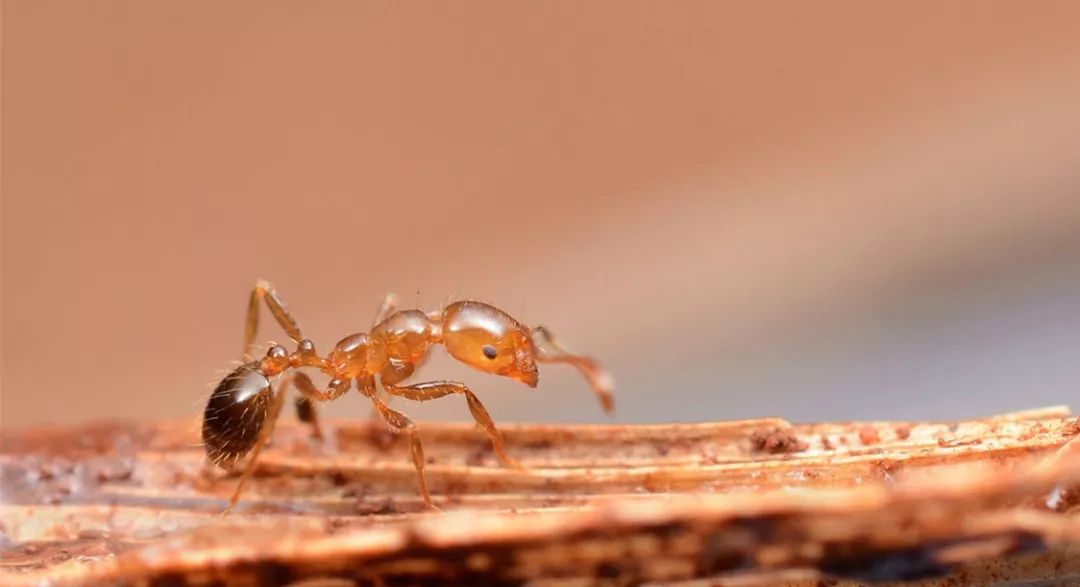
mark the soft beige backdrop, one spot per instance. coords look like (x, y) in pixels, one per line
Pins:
(812, 210)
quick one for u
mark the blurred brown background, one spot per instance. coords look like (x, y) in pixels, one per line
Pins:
(823, 210)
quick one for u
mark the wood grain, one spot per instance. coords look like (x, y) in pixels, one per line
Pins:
(758, 502)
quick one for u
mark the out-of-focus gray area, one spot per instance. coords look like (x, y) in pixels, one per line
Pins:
(822, 212)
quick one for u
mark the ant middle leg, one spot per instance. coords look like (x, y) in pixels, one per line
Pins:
(401, 422)
(264, 291)
(435, 389)
(396, 370)
(599, 380)
(386, 307)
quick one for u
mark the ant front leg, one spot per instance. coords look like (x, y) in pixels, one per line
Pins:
(600, 380)
(435, 389)
(265, 292)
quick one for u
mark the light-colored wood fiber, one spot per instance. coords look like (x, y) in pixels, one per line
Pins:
(757, 502)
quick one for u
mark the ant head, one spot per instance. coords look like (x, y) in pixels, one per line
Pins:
(485, 337)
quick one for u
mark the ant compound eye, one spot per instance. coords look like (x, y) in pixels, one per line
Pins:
(490, 352)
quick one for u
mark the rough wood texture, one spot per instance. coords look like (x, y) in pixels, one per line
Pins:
(759, 502)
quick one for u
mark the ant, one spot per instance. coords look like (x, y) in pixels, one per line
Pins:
(240, 415)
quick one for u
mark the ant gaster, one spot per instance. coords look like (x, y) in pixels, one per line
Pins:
(240, 415)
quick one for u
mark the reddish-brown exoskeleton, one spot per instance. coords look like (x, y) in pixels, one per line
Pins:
(241, 412)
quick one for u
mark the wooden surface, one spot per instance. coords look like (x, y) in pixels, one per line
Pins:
(758, 502)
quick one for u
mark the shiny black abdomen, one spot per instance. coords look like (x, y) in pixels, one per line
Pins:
(235, 414)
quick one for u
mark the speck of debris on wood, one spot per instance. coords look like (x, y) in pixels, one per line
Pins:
(777, 441)
(868, 435)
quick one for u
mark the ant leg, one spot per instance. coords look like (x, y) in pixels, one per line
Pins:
(436, 389)
(309, 394)
(335, 389)
(600, 380)
(396, 370)
(264, 436)
(386, 307)
(308, 414)
(264, 291)
(402, 422)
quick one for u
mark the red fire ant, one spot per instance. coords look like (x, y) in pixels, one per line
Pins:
(241, 413)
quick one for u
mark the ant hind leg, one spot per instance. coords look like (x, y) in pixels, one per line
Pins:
(264, 291)
(265, 432)
(307, 413)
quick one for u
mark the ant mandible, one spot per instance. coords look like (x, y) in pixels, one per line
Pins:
(242, 410)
